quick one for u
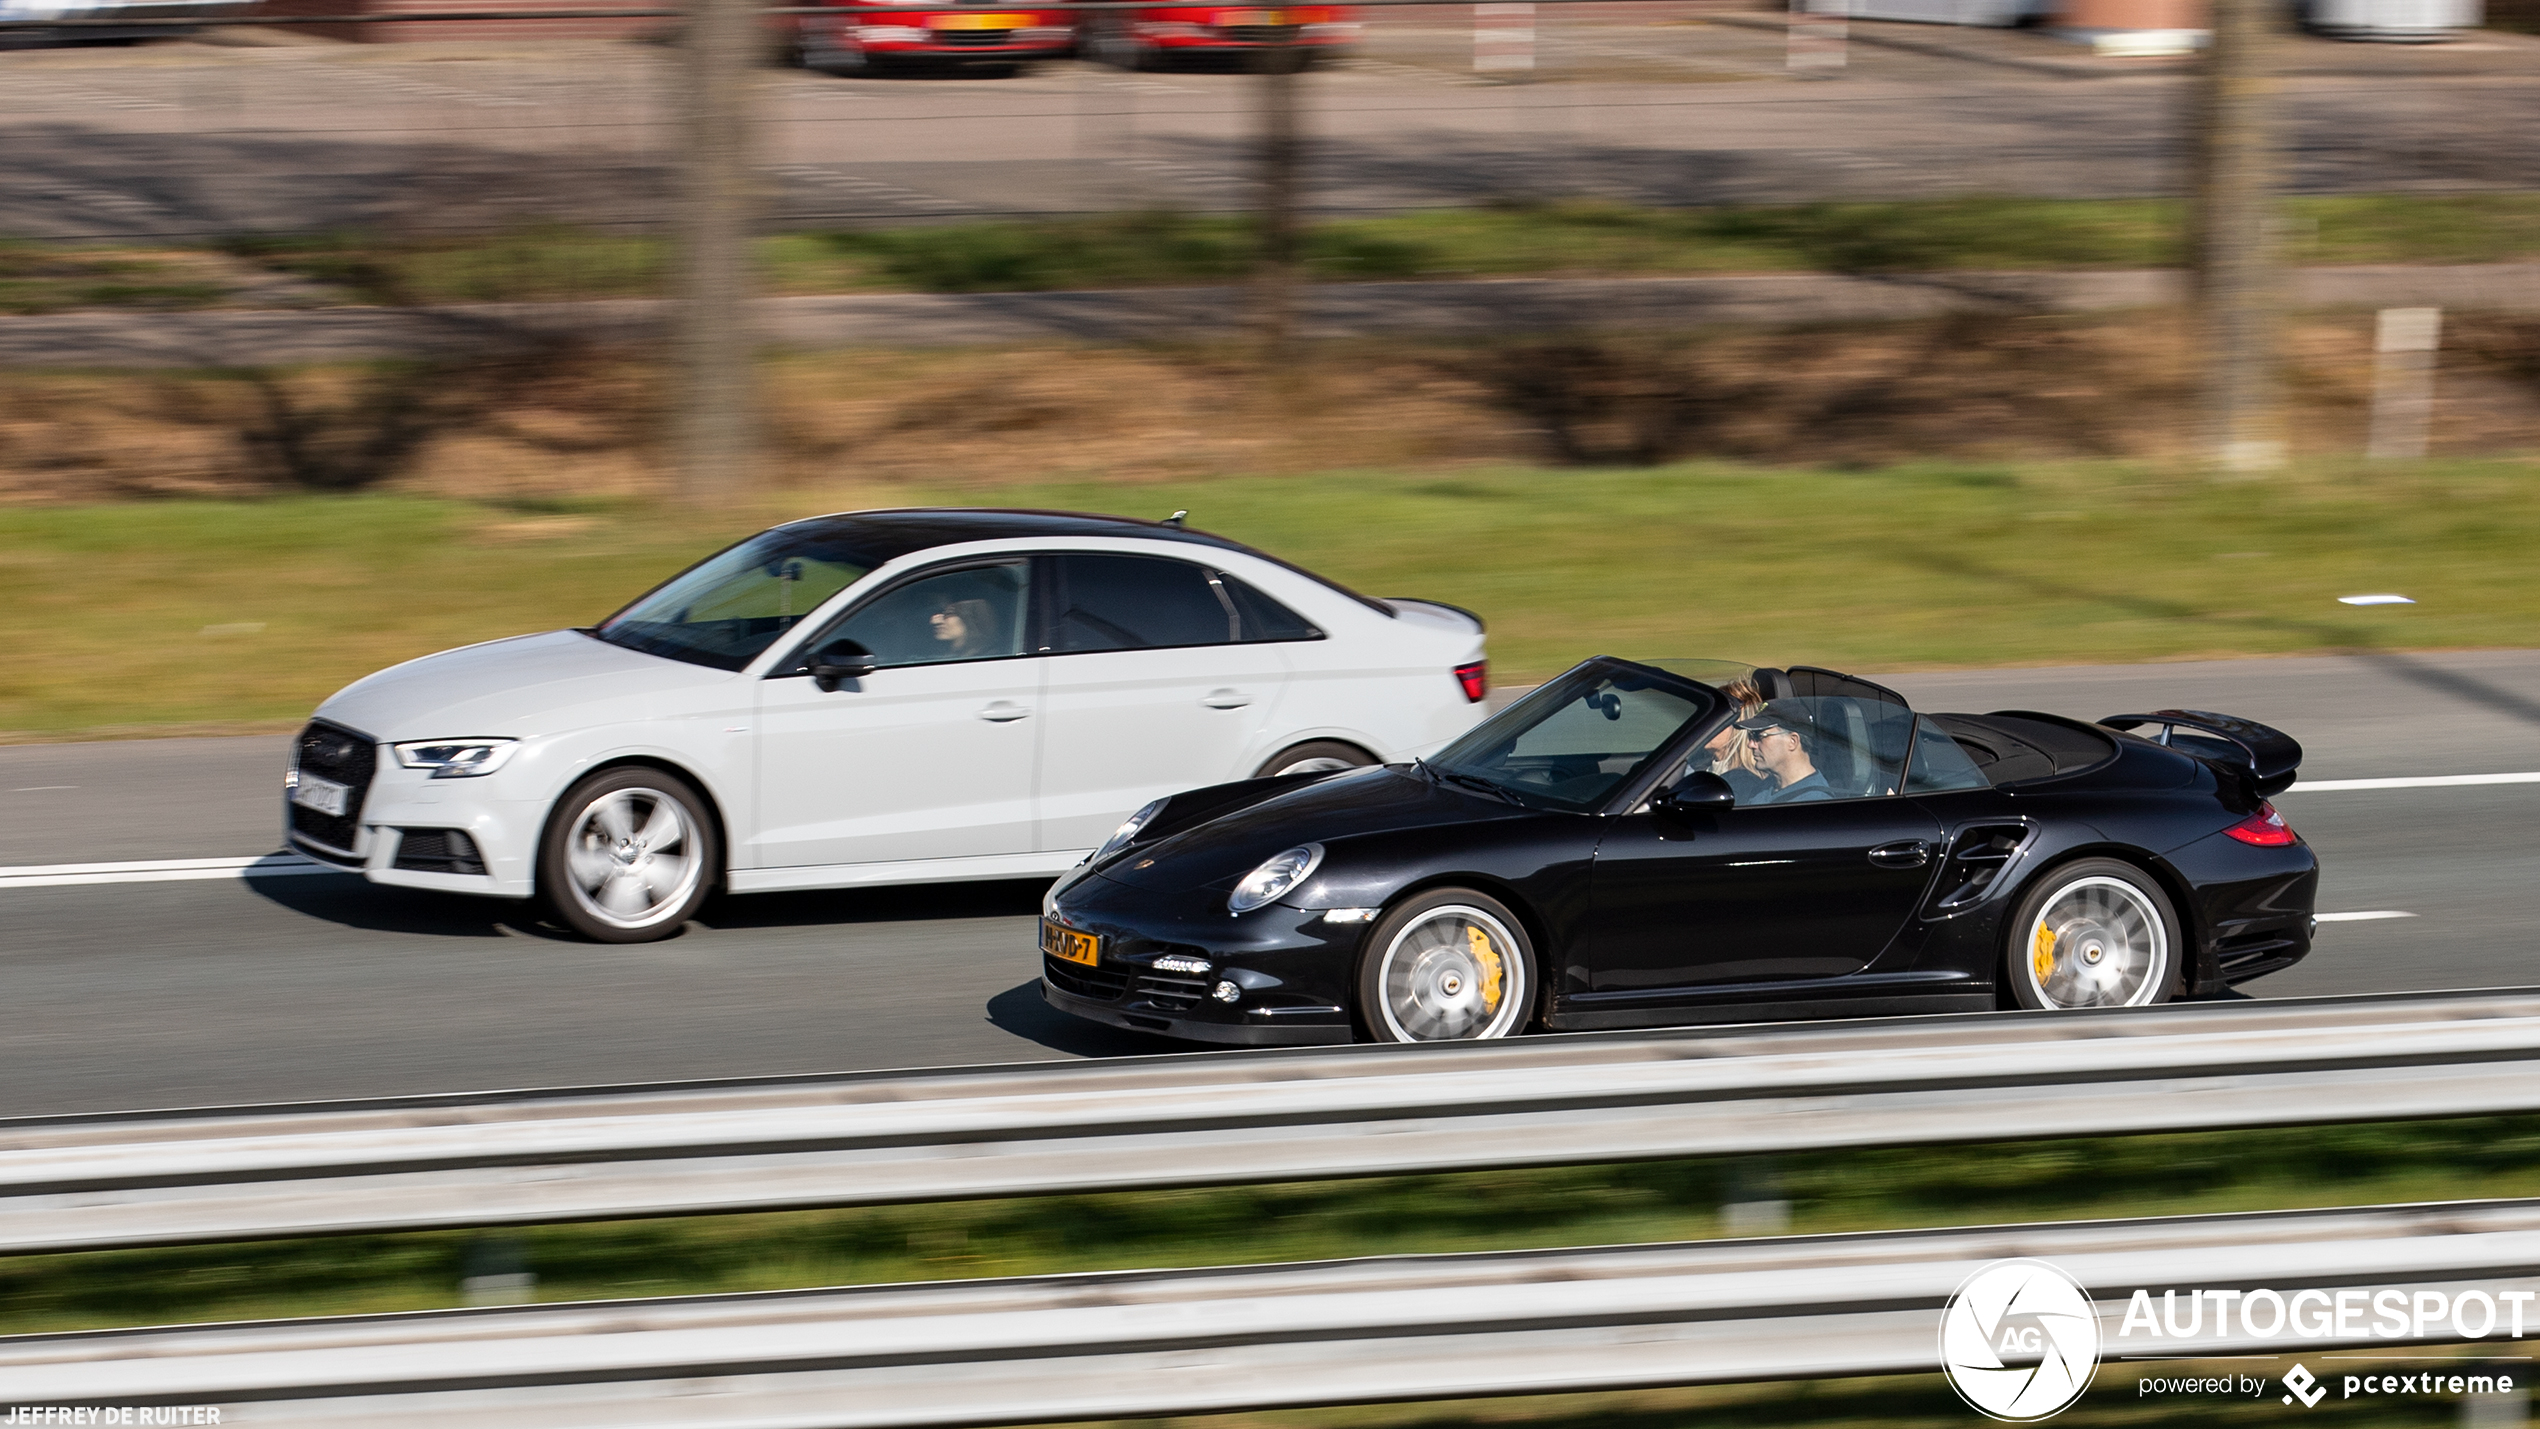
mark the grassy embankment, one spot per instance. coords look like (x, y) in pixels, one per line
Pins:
(159, 617)
(1142, 250)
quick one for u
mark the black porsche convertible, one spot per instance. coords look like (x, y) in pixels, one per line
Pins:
(1642, 844)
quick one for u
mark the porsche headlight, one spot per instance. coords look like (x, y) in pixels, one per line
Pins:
(456, 758)
(1128, 830)
(1274, 879)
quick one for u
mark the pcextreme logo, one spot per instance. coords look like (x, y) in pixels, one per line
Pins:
(2019, 1341)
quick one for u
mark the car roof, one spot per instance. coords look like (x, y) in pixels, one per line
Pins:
(874, 538)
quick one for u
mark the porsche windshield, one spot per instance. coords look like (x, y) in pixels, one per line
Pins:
(727, 608)
(1571, 743)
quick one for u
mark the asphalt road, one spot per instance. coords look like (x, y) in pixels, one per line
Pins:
(194, 141)
(185, 993)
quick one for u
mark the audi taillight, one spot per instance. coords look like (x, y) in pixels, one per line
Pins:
(1475, 678)
(2265, 828)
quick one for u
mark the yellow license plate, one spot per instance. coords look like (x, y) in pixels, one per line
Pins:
(978, 22)
(1068, 945)
(1233, 18)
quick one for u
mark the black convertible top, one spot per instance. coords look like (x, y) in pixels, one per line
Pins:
(2013, 746)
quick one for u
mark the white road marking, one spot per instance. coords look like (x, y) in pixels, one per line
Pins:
(2430, 781)
(290, 865)
(2374, 915)
(162, 870)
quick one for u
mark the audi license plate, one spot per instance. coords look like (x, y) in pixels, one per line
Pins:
(324, 795)
(1068, 945)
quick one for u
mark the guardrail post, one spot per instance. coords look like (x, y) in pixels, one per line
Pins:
(494, 1271)
(1818, 41)
(1504, 39)
(2496, 1411)
(2403, 346)
(1752, 1203)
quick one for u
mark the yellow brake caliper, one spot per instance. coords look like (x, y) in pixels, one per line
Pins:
(1488, 956)
(2043, 960)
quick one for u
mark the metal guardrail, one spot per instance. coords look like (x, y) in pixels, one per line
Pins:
(1089, 1347)
(236, 1174)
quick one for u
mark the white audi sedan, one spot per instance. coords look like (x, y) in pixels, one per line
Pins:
(876, 697)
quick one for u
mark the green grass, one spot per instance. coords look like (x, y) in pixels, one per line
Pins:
(555, 262)
(43, 278)
(149, 617)
(1467, 1212)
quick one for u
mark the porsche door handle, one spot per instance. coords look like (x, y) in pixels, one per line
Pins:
(1911, 853)
(1003, 711)
(1226, 699)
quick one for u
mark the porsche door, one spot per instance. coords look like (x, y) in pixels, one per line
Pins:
(1769, 893)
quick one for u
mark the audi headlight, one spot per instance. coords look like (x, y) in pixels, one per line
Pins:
(456, 758)
(1128, 830)
(1274, 879)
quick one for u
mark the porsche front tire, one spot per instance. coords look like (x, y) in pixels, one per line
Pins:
(2094, 933)
(1448, 965)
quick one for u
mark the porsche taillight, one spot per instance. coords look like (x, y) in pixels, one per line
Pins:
(1475, 678)
(2265, 828)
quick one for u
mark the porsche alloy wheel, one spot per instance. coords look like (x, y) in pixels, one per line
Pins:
(1448, 966)
(2098, 933)
(628, 857)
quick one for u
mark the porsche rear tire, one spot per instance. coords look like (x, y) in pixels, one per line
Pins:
(1448, 965)
(2097, 932)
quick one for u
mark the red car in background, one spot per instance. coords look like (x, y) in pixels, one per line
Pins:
(1147, 39)
(863, 36)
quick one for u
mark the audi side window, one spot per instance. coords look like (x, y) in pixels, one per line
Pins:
(1137, 603)
(1259, 618)
(975, 613)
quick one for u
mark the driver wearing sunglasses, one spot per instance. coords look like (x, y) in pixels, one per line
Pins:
(1779, 736)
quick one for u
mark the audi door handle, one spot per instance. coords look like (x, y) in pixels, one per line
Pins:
(1912, 853)
(1002, 711)
(1226, 699)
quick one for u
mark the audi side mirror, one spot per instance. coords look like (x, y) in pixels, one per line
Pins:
(1698, 792)
(840, 659)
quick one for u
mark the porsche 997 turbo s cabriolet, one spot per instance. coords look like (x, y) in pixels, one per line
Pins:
(1648, 844)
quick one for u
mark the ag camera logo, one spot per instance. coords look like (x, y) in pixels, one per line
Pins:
(2019, 1341)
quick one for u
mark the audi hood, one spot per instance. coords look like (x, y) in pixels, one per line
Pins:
(522, 687)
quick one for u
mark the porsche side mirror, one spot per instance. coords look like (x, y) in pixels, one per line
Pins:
(840, 659)
(1700, 791)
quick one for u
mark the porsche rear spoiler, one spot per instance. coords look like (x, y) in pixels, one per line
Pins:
(2270, 756)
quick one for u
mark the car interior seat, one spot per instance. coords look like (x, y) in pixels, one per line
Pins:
(1842, 746)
